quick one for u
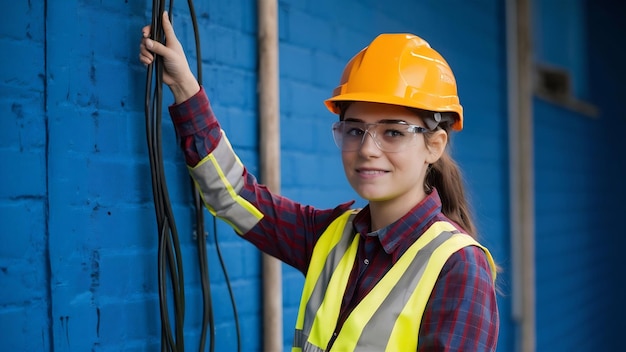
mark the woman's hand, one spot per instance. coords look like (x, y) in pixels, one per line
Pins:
(176, 72)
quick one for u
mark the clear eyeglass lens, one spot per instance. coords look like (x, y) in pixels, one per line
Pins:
(389, 137)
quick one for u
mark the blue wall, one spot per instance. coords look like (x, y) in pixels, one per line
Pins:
(78, 264)
(78, 260)
(24, 268)
(579, 163)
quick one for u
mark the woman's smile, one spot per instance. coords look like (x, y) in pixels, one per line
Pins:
(371, 172)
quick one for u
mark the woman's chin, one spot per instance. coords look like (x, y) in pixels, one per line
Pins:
(376, 196)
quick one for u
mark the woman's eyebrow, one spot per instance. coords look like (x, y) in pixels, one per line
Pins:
(353, 119)
(393, 121)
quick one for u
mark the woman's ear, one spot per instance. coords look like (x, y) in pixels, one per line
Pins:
(436, 145)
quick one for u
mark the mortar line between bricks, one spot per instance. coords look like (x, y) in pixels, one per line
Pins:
(47, 191)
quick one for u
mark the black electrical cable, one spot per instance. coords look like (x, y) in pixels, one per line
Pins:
(169, 255)
(230, 290)
(208, 322)
(208, 314)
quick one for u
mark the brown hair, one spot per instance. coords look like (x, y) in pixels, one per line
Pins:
(445, 175)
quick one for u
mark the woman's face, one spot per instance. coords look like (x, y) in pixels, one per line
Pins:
(379, 176)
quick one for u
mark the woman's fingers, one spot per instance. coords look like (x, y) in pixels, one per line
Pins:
(146, 60)
(145, 55)
(149, 47)
(146, 31)
(168, 29)
(176, 71)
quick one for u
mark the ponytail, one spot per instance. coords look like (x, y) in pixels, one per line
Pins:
(445, 176)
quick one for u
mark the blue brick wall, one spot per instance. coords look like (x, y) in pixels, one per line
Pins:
(579, 182)
(78, 260)
(24, 297)
(81, 274)
(568, 204)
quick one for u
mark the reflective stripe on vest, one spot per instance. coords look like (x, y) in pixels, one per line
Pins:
(337, 240)
(388, 318)
(219, 178)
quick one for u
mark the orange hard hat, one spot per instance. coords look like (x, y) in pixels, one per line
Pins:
(400, 69)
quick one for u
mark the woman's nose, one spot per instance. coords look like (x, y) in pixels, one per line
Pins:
(369, 145)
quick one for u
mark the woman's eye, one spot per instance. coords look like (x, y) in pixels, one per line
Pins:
(354, 132)
(394, 133)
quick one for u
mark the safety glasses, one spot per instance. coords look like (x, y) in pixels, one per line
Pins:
(389, 137)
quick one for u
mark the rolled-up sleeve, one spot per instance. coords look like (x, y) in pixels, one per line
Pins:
(196, 127)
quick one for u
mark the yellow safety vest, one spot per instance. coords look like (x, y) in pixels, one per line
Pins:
(389, 317)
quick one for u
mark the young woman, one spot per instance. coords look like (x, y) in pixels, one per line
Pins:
(405, 272)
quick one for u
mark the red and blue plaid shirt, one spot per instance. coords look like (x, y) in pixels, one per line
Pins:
(461, 314)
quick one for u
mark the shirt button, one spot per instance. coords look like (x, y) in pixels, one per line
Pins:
(366, 261)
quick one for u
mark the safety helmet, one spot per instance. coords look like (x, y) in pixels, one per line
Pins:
(400, 69)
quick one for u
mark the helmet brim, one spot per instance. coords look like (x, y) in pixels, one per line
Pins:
(393, 100)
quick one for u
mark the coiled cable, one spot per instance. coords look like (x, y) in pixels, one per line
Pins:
(169, 253)
(169, 256)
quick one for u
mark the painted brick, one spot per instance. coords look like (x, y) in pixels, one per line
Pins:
(306, 99)
(26, 328)
(24, 299)
(241, 55)
(28, 129)
(298, 62)
(237, 14)
(327, 70)
(132, 322)
(25, 282)
(27, 239)
(126, 273)
(90, 217)
(29, 179)
(26, 69)
(242, 127)
(25, 21)
(307, 31)
(236, 88)
(300, 136)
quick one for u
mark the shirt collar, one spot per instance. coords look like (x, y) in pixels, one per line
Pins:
(398, 236)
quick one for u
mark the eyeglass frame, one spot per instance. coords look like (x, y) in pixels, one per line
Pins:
(411, 128)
